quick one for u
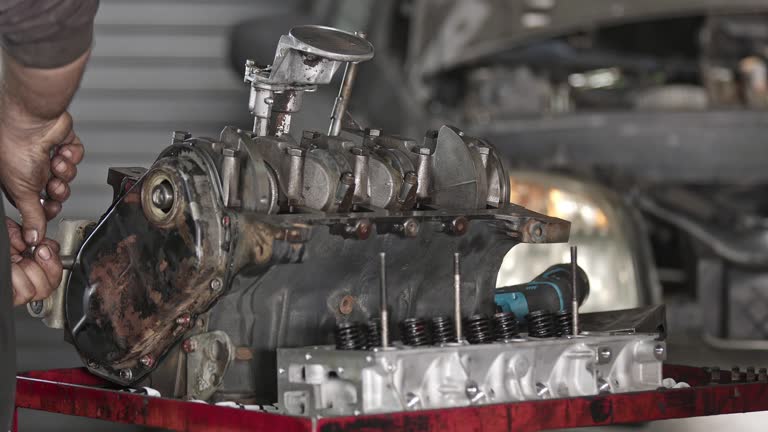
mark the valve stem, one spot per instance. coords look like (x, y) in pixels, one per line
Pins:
(384, 312)
(575, 300)
(457, 296)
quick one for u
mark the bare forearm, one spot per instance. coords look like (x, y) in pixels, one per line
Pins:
(37, 95)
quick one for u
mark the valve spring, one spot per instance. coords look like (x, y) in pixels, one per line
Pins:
(541, 324)
(479, 329)
(564, 323)
(443, 330)
(416, 332)
(374, 333)
(350, 336)
(505, 326)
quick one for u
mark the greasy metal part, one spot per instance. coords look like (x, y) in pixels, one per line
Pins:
(325, 205)
(361, 170)
(68, 261)
(345, 192)
(384, 312)
(295, 176)
(162, 196)
(457, 318)
(424, 172)
(207, 363)
(455, 375)
(345, 92)
(230, 177)
(407, 196)
(284, 105)
(306, 57)
(574, 284)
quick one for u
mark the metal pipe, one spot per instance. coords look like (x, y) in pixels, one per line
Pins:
(384, 312)
(575, 301)
(457, 296)
(345, 92)
(67, 261)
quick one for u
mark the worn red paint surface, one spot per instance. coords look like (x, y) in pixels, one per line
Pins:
(701, 400)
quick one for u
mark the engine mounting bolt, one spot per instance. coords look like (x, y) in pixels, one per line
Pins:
(542, 391)
(413, 401)
(184, 320)
(411, 228)
(361, 229)
(660, 352)
(189, 345)
(216, 284)
(147, 361)
(459, 225)
(604, 355)
(473, 392)
(126, 374)
(603, 386)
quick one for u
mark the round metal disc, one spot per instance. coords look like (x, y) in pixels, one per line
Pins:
(332, 43)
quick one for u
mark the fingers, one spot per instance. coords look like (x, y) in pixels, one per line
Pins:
(63, 168)
(53, 244)
(32, 217)
(52, 209)
(18, 245)
(35, 278)
(72, 150)
(58, 190)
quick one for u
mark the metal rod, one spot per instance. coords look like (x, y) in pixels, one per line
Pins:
(345, 92)
(457, 296)
(575, 301)
(67, 261)
(384, 312)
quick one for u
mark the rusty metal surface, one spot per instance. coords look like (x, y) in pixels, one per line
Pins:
(703, 399)
(137, 273)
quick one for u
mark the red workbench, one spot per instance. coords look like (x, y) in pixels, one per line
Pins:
(76, 392)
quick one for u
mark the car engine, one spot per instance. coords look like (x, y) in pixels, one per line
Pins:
(348, 271)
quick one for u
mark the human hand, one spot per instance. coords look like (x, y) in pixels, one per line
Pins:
(32, 277)
(35, 157)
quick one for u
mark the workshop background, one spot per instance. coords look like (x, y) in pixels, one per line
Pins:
(164, 65)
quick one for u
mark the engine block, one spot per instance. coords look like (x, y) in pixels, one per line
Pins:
(226, 249)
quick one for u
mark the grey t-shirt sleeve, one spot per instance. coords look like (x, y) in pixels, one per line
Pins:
(46, 33)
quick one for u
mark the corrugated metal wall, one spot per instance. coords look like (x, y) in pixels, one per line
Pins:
(157, 66)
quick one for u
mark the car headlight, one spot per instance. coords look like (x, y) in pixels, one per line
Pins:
(613, 249)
